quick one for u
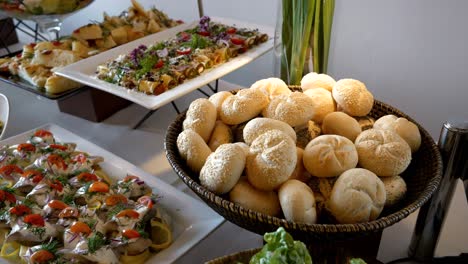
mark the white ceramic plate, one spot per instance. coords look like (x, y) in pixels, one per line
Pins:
(191, 219)
(84, 71)
(4, 113)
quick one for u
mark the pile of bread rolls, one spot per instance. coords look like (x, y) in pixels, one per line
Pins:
(300, 155)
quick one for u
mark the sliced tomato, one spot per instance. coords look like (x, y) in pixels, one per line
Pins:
(158, 64)
(41, 256)
(98, 186)
(130, 213)
(34, 175)
(56, 185)
(7, 170)
(57, 160)
(34, 219)
(56, 43)
(81, 158)
(80, 227)
(204, 33)
(87, 177)
(26, 147)
(57, 146)
(42, 133)
(146, 201)
(237, 41)
(130, 178)
(116, 199)
(184, 51)
(7, 196)
(231, 30)
(69, 212)
(57, 205)
(20, 210)
(19, 55)
(184, 36)
(130, 233)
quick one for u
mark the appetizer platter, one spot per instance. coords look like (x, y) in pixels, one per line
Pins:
(157, 69)
(33, 68)
(27, 8)
(65, 199)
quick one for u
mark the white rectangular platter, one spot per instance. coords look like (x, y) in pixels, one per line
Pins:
(84, 71)
(191, 220)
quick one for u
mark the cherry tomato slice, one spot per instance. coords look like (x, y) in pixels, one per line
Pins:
(116, 199)
(130, 233)
(80, 227)
(57, 185)
(204, 33)
(69, 212)
(231, 30)
(184, 51)
(130, 213)
(130, 178)
(57, 205)
(26, 147)
(7, 196)
(7, 170)
(57, 146)
(56, 160)
(34, 219)
(237, 41)
(41, 256)
(184, 36)
(159, 64)
(81, 158)
(35, 176)
(20, 210)
(87, 177)
(42, 133)
(101, 187)
(146, 201)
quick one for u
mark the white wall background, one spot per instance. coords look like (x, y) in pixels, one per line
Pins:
(411, 54)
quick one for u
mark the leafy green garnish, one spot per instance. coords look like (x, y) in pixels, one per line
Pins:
(198, 41)
(95, 242)
(52, 246)
(38, 231)
(146, 64)
(69, 199)
(357, 261)
(116, 209)
(280, 248)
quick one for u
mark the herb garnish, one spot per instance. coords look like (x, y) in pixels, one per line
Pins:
(38, 231)
(95, 242)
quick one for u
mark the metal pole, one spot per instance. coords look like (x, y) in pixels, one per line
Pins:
(453, 145)
(200, 8)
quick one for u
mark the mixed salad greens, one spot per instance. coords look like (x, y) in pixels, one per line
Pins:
(281, 248)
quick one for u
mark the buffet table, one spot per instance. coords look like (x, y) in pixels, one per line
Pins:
(144, 147)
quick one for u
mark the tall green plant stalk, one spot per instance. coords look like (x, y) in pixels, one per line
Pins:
(306, 24)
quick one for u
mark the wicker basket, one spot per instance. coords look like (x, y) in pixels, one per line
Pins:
(422, 178)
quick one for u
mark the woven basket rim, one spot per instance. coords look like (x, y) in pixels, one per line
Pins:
(371, 226)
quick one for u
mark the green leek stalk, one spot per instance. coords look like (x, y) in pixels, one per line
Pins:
(305, 23)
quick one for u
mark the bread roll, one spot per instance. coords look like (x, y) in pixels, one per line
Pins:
(295, 109)
(297, 202)
(244, 147)
(271, 160)
(329, 156)
(339, 123)
(314, 80)
(366, 122)
(353, 97)
(265, 202)
(383, 152)
(357, 196)
(245, 105)
(201, 118)
(395, 188)
(223, 168)
(323, 103)
(300, 173)
(222, 134)
(271, 87)
(260, 125)
(193, 149)
(404, 128)
(217, 100)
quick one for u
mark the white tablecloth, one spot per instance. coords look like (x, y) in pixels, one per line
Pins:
(144, 147)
